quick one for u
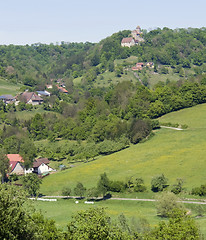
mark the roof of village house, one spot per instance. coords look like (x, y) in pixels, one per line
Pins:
(13, 165)
(7, 97)
(39, 161)
(44, 93)
(31, 95)
(15, 158)
(127, 40)
(61, 89)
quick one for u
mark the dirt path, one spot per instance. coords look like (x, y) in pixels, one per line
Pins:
(179, 129)
(203, 202)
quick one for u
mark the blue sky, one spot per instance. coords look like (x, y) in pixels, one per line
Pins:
(51, 21)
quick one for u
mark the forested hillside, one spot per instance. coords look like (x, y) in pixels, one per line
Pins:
(39, 63)
(92, 120)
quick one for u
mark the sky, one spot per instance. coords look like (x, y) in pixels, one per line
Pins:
(52, 21)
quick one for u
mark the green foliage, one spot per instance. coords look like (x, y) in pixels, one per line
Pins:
(139, 185)
(166, 203)
(103, 184)
(94, 224)
(179, 227)
(178, 187)
(31, 183)
(20, 221)
(201, 191)
(139, 130)
(79, 190)
(4, 165)
(66, 191)
(158, 183)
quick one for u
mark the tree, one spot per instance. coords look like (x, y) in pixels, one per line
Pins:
(66, 191)
(158, 183)
(19, 220)
(94, 224)
(103, 184)
(139, 185)
(177, 188)
(31, 182)
(179, 227)
(79, 190)
(166, 203)
(4, 165)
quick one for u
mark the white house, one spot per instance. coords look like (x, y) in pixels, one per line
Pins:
(41, 166)
(128, 42)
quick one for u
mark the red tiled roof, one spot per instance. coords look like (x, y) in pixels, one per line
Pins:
(127, 40)
(15, 158)
(61, 89)
(12, 164)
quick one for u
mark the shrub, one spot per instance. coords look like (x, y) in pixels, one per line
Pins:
(116, 186)
(158, 183)
(66, 191)
(166, 203)
(201, 191)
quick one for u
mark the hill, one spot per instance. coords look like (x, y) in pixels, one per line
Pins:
(38, 64)
(8, 87)
(177, 154)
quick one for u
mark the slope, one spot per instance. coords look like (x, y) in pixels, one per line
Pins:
(177, 154)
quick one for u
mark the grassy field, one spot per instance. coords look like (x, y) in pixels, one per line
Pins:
(177, 154)
(63, 209)
(8, 87)
(26, 115)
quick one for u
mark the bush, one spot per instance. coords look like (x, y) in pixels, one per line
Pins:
(201, 191)
(158, 183)
(139, 185)
(166, 203)
(116, 186)
(177, 188)
(66, 191)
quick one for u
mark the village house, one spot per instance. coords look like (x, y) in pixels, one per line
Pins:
(128, 42)
(49, 86)
(40, 166)
(31, 98)
(63, 90)
(15, 164)
(7, 99)
(138, 66)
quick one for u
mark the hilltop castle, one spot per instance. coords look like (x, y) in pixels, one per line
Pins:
(136, 38)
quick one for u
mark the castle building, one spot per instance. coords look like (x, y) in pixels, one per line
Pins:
(136, 38)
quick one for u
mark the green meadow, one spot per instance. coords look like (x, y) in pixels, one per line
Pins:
(63, 209)
(177, 154)
(9, 88)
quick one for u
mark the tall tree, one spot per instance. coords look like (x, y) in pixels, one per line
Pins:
(4, 165)
(103, 184)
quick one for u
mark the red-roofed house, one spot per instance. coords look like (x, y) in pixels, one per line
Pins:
(128, 42)
(138, 67)
(40, 166)
(15, 163)
(63, 90)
